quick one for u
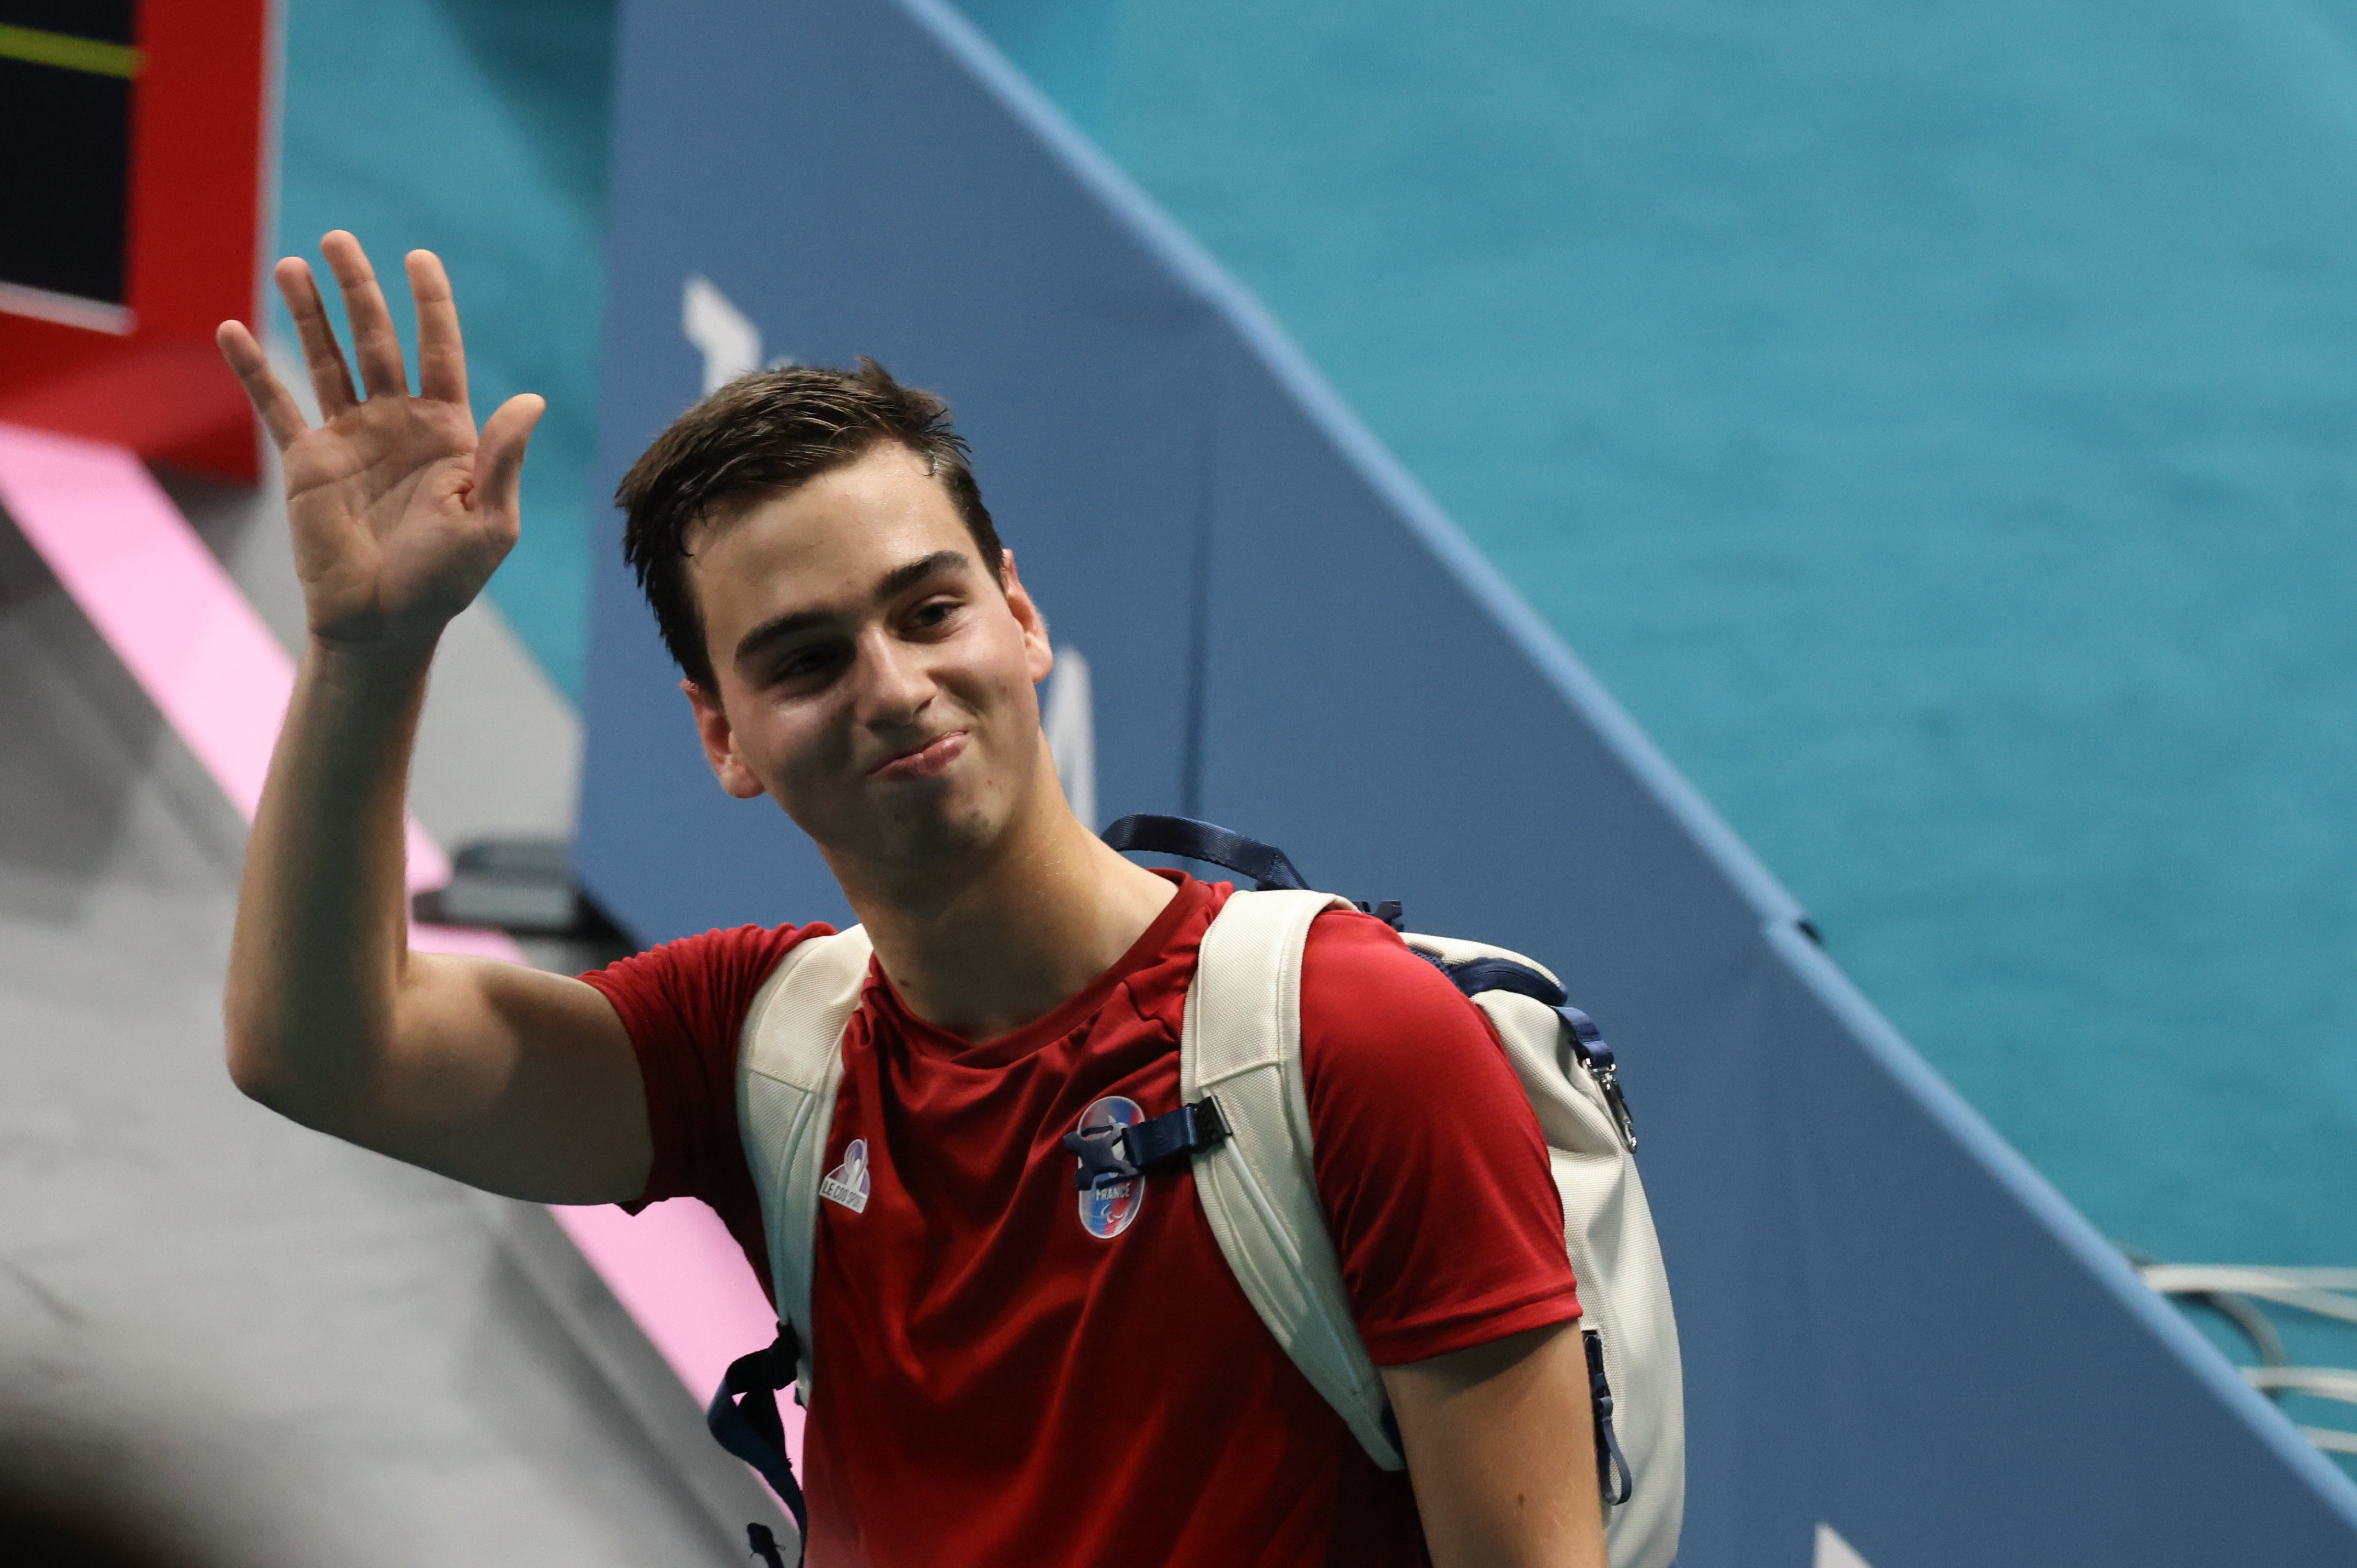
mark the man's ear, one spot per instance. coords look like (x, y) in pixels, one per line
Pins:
(720, 744)
(1040, 653)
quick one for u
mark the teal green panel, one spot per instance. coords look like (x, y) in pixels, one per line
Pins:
(1936, 423)
(476, 129)
(1065, 46)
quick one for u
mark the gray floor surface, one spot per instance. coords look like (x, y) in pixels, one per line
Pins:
(281, 1348)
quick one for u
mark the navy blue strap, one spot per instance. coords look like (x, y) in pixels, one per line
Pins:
(1215, 845)
(1476, 975)
(1116, 1153)
(744, 1420)
(1588, 1038)
(1589, 1041)
(1612, 1475)
(1189, 1130)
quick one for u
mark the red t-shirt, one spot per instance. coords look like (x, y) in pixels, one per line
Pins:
(999, 1383)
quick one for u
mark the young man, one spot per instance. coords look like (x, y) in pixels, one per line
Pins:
(1009, 1376)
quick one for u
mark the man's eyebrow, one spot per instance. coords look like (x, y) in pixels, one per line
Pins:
(898, 580)
(902, 578)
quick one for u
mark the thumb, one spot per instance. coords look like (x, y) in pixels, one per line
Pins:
(498, 454)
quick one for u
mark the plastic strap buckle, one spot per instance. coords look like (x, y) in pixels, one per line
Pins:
(1116, 1153)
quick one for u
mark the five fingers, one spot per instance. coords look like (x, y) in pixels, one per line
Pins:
(441, 351)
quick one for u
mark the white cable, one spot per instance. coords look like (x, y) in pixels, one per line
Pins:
(2324, 1382)
(2287, 1287)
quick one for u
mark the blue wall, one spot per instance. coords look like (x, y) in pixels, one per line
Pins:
(1891, 1324)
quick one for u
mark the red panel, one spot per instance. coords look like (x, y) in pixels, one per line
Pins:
(197, 164)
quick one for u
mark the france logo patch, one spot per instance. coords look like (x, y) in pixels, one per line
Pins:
(1107, 1212)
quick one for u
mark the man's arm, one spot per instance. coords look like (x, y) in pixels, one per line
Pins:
(1502, 1451)
(1404, 1074)
(504, 1077)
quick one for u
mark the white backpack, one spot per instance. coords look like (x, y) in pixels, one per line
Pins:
(1240, 1049)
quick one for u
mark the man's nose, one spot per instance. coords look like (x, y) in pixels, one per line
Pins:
(894, 684)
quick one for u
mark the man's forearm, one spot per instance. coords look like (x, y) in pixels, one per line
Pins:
(321, 943)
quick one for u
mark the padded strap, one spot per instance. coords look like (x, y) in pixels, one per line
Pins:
(789, 1063)
(1241, 1043)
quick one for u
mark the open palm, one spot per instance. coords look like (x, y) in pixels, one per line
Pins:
(400, 510)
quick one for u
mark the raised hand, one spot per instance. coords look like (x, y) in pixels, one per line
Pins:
(400, 510)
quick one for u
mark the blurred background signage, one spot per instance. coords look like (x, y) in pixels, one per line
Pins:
(137, 132)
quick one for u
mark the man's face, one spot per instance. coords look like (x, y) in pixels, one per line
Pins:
(872, 678)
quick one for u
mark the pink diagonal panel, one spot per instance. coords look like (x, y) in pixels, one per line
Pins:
(179, 624)
(679, 1272)
(165, 606)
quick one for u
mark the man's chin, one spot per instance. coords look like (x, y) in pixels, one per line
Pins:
(918, 837)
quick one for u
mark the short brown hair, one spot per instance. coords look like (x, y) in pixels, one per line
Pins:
(762, 433)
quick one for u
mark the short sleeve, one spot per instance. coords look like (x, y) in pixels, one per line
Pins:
(1428, 1157)
(684, 1005)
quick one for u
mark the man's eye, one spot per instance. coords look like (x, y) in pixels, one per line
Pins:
(933, 614)
(807, 664)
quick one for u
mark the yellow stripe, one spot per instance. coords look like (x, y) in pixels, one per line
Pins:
(72, 53)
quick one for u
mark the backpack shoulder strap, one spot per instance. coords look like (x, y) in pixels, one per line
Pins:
(1241, 1044)
(789, 1062)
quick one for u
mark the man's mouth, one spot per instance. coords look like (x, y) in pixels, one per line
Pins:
(923, 761)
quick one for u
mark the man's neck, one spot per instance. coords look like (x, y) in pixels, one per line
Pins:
(1010, 938)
